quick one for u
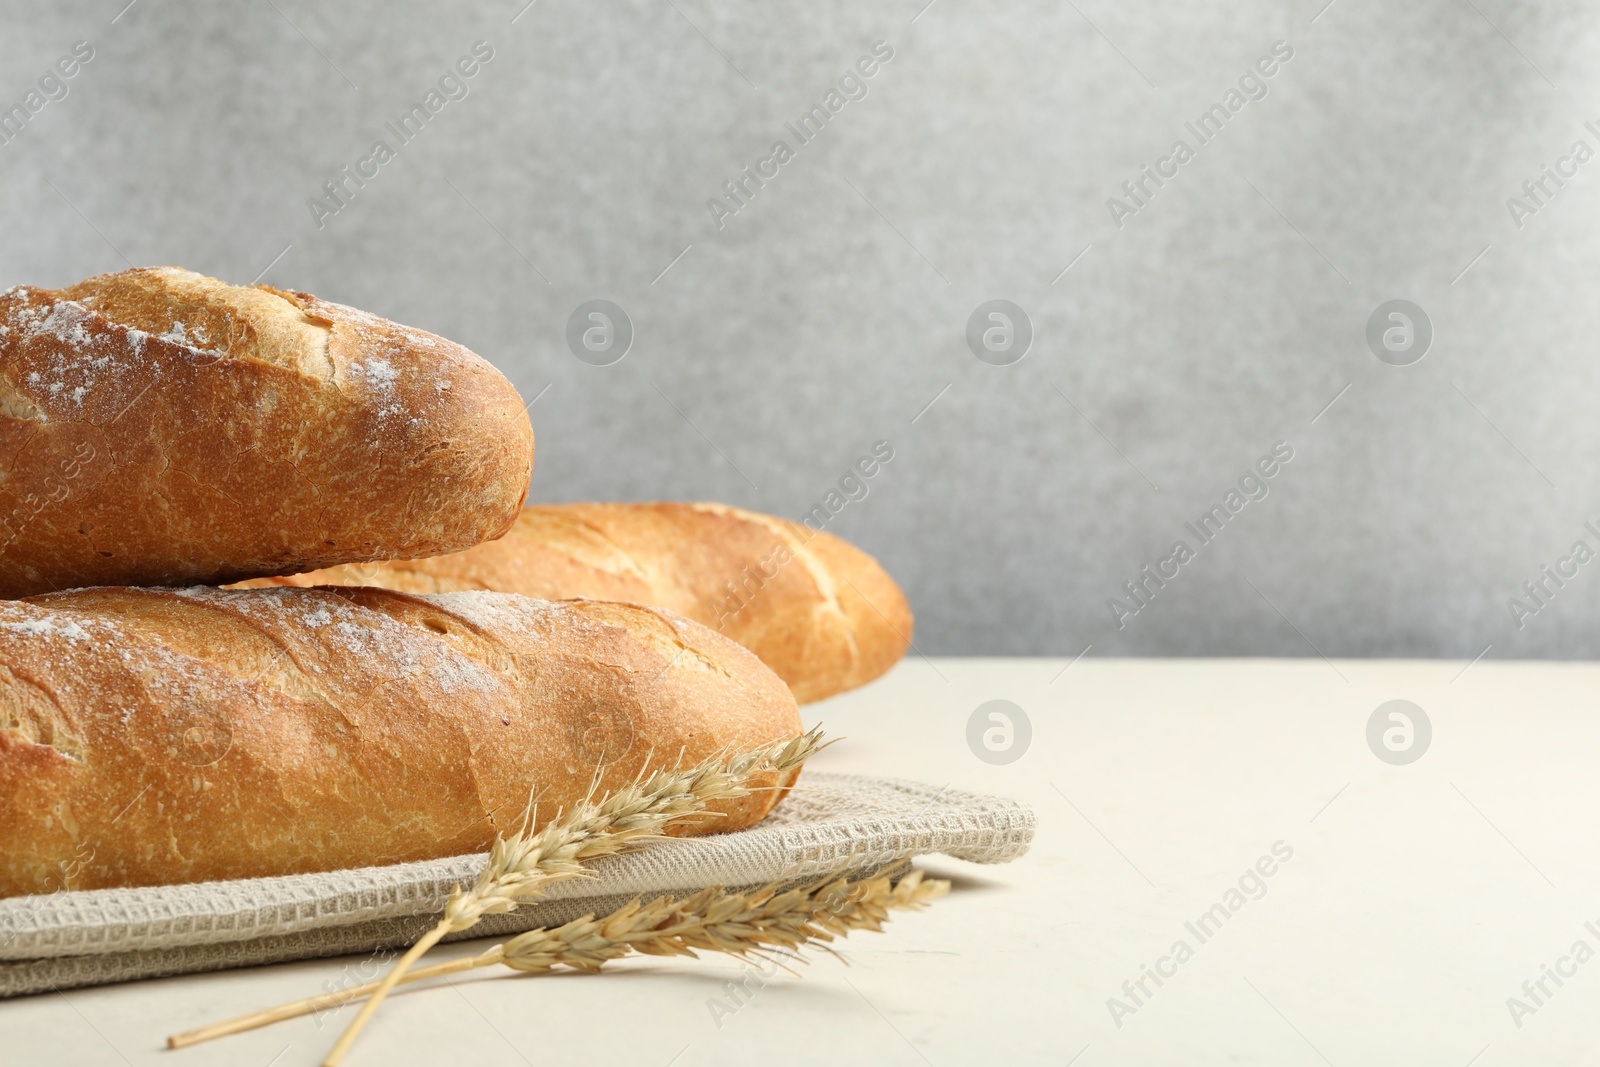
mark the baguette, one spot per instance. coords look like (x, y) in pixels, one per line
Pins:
(817, 610)
(161, 427)
(158, 736)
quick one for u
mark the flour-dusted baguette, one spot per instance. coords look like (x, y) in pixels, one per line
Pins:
(161, 427)
(156, 736)
(817, 610)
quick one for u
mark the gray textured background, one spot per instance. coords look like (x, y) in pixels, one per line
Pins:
(827, 314)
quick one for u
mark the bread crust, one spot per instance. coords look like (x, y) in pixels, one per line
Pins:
(159, 736)
(161, 427)
(817, 610)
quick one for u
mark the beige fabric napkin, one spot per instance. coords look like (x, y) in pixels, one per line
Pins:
(64, 940)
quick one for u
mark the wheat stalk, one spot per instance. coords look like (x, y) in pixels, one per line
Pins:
(524, 863)
(714, 920)
(743, 925)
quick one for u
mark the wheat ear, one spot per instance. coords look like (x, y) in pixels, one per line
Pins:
(751, 924)
(524, 863)
(714, 920)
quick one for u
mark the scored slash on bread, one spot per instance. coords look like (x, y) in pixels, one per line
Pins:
(158, 736)
(158, 427)
(817, 610)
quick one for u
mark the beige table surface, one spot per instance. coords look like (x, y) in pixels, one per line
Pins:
(1417, 900)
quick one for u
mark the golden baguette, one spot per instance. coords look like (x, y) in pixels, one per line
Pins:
(157, 736)
(158, 427)
(814, 608)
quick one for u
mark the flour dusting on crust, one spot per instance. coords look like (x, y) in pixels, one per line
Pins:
(515, 614)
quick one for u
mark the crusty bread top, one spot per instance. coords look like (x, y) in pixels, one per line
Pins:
(210, 317)
(187, 735)
(816, 609)
(162, 427)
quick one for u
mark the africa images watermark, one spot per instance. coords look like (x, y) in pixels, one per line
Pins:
(1538, 192)
(753, 977)
(1251, 885)
(1152, 578)
(57, 487)
(454, 84)
(350, 977)
(999, 732)
(853, 487)
(851, 86)
(1252, 86)
(1540, 590)
(1537, 992)
(61, 880)
(52, 87)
